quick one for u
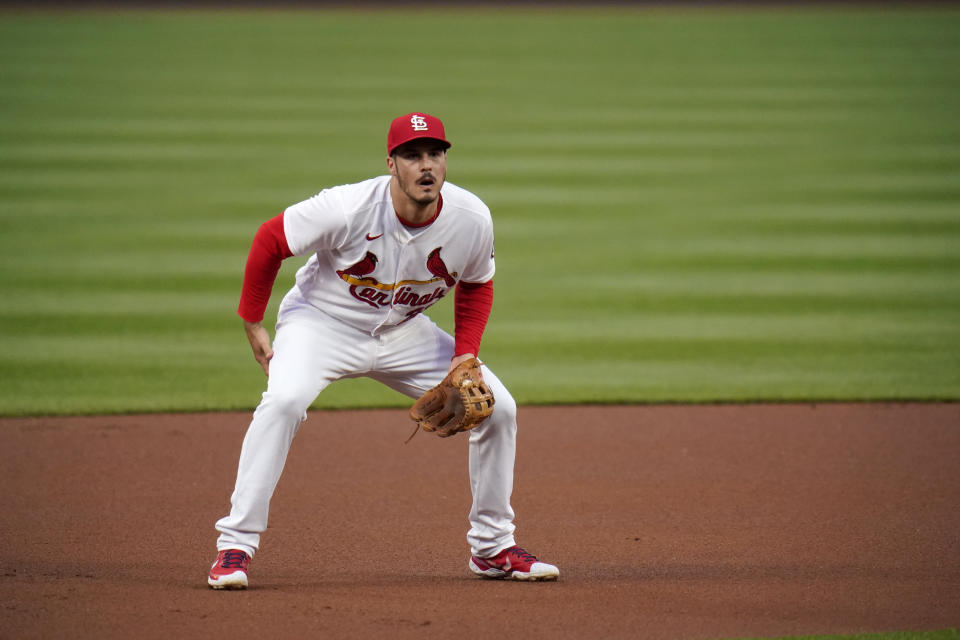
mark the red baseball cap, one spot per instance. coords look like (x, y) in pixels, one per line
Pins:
(414, 126)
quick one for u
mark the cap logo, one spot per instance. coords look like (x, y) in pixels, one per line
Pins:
(419, 123)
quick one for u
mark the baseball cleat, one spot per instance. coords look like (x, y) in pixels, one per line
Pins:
(230, 570)
(514, 563)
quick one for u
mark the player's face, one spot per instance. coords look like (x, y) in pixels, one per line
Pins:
(420, 168)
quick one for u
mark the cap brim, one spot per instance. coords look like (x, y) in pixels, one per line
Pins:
(446, 144)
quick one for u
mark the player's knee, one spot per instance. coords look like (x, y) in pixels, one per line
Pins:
(505, 408)
(504, 417)
(291, 404)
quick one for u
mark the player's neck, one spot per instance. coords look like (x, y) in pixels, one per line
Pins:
(411, 212)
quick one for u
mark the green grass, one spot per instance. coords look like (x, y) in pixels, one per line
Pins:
(691, 205)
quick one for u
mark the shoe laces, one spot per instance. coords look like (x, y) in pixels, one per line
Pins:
(233, 559)
(522, 553)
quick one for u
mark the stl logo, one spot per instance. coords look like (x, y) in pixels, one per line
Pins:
(419, 123)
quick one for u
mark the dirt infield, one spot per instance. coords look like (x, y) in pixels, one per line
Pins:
(666, 522)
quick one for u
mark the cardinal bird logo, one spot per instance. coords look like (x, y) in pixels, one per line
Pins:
(408, 293)
(362, 268)
(437, 267)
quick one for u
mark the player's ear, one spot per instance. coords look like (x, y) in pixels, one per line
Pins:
(391, 165)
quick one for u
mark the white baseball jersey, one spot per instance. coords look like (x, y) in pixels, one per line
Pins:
(371, 271)
(348, 316)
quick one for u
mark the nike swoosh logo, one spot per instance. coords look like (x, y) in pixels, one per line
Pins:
(370, 237)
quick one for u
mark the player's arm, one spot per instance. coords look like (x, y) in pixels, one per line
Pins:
(267, 252)
(472, 303)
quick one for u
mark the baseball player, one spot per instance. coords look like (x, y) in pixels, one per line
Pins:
(381, 251)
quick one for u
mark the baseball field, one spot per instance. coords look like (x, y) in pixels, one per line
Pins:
(727, 298)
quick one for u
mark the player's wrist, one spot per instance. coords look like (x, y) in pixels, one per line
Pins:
(252, 328)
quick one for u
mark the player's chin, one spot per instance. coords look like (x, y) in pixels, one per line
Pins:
(424, 196)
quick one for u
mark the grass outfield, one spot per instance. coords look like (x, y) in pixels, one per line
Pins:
(690, 205)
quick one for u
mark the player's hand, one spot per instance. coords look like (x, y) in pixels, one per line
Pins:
(260, 343)
(458, 359)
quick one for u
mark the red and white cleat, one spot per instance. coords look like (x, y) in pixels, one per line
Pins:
(514, 563)
(230, 570)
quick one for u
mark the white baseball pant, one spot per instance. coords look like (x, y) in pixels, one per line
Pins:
(311, 350)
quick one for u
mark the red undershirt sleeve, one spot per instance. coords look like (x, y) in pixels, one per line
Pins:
(269, 249)
(471, 310)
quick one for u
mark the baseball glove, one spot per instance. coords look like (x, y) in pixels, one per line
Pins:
(460, 402)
